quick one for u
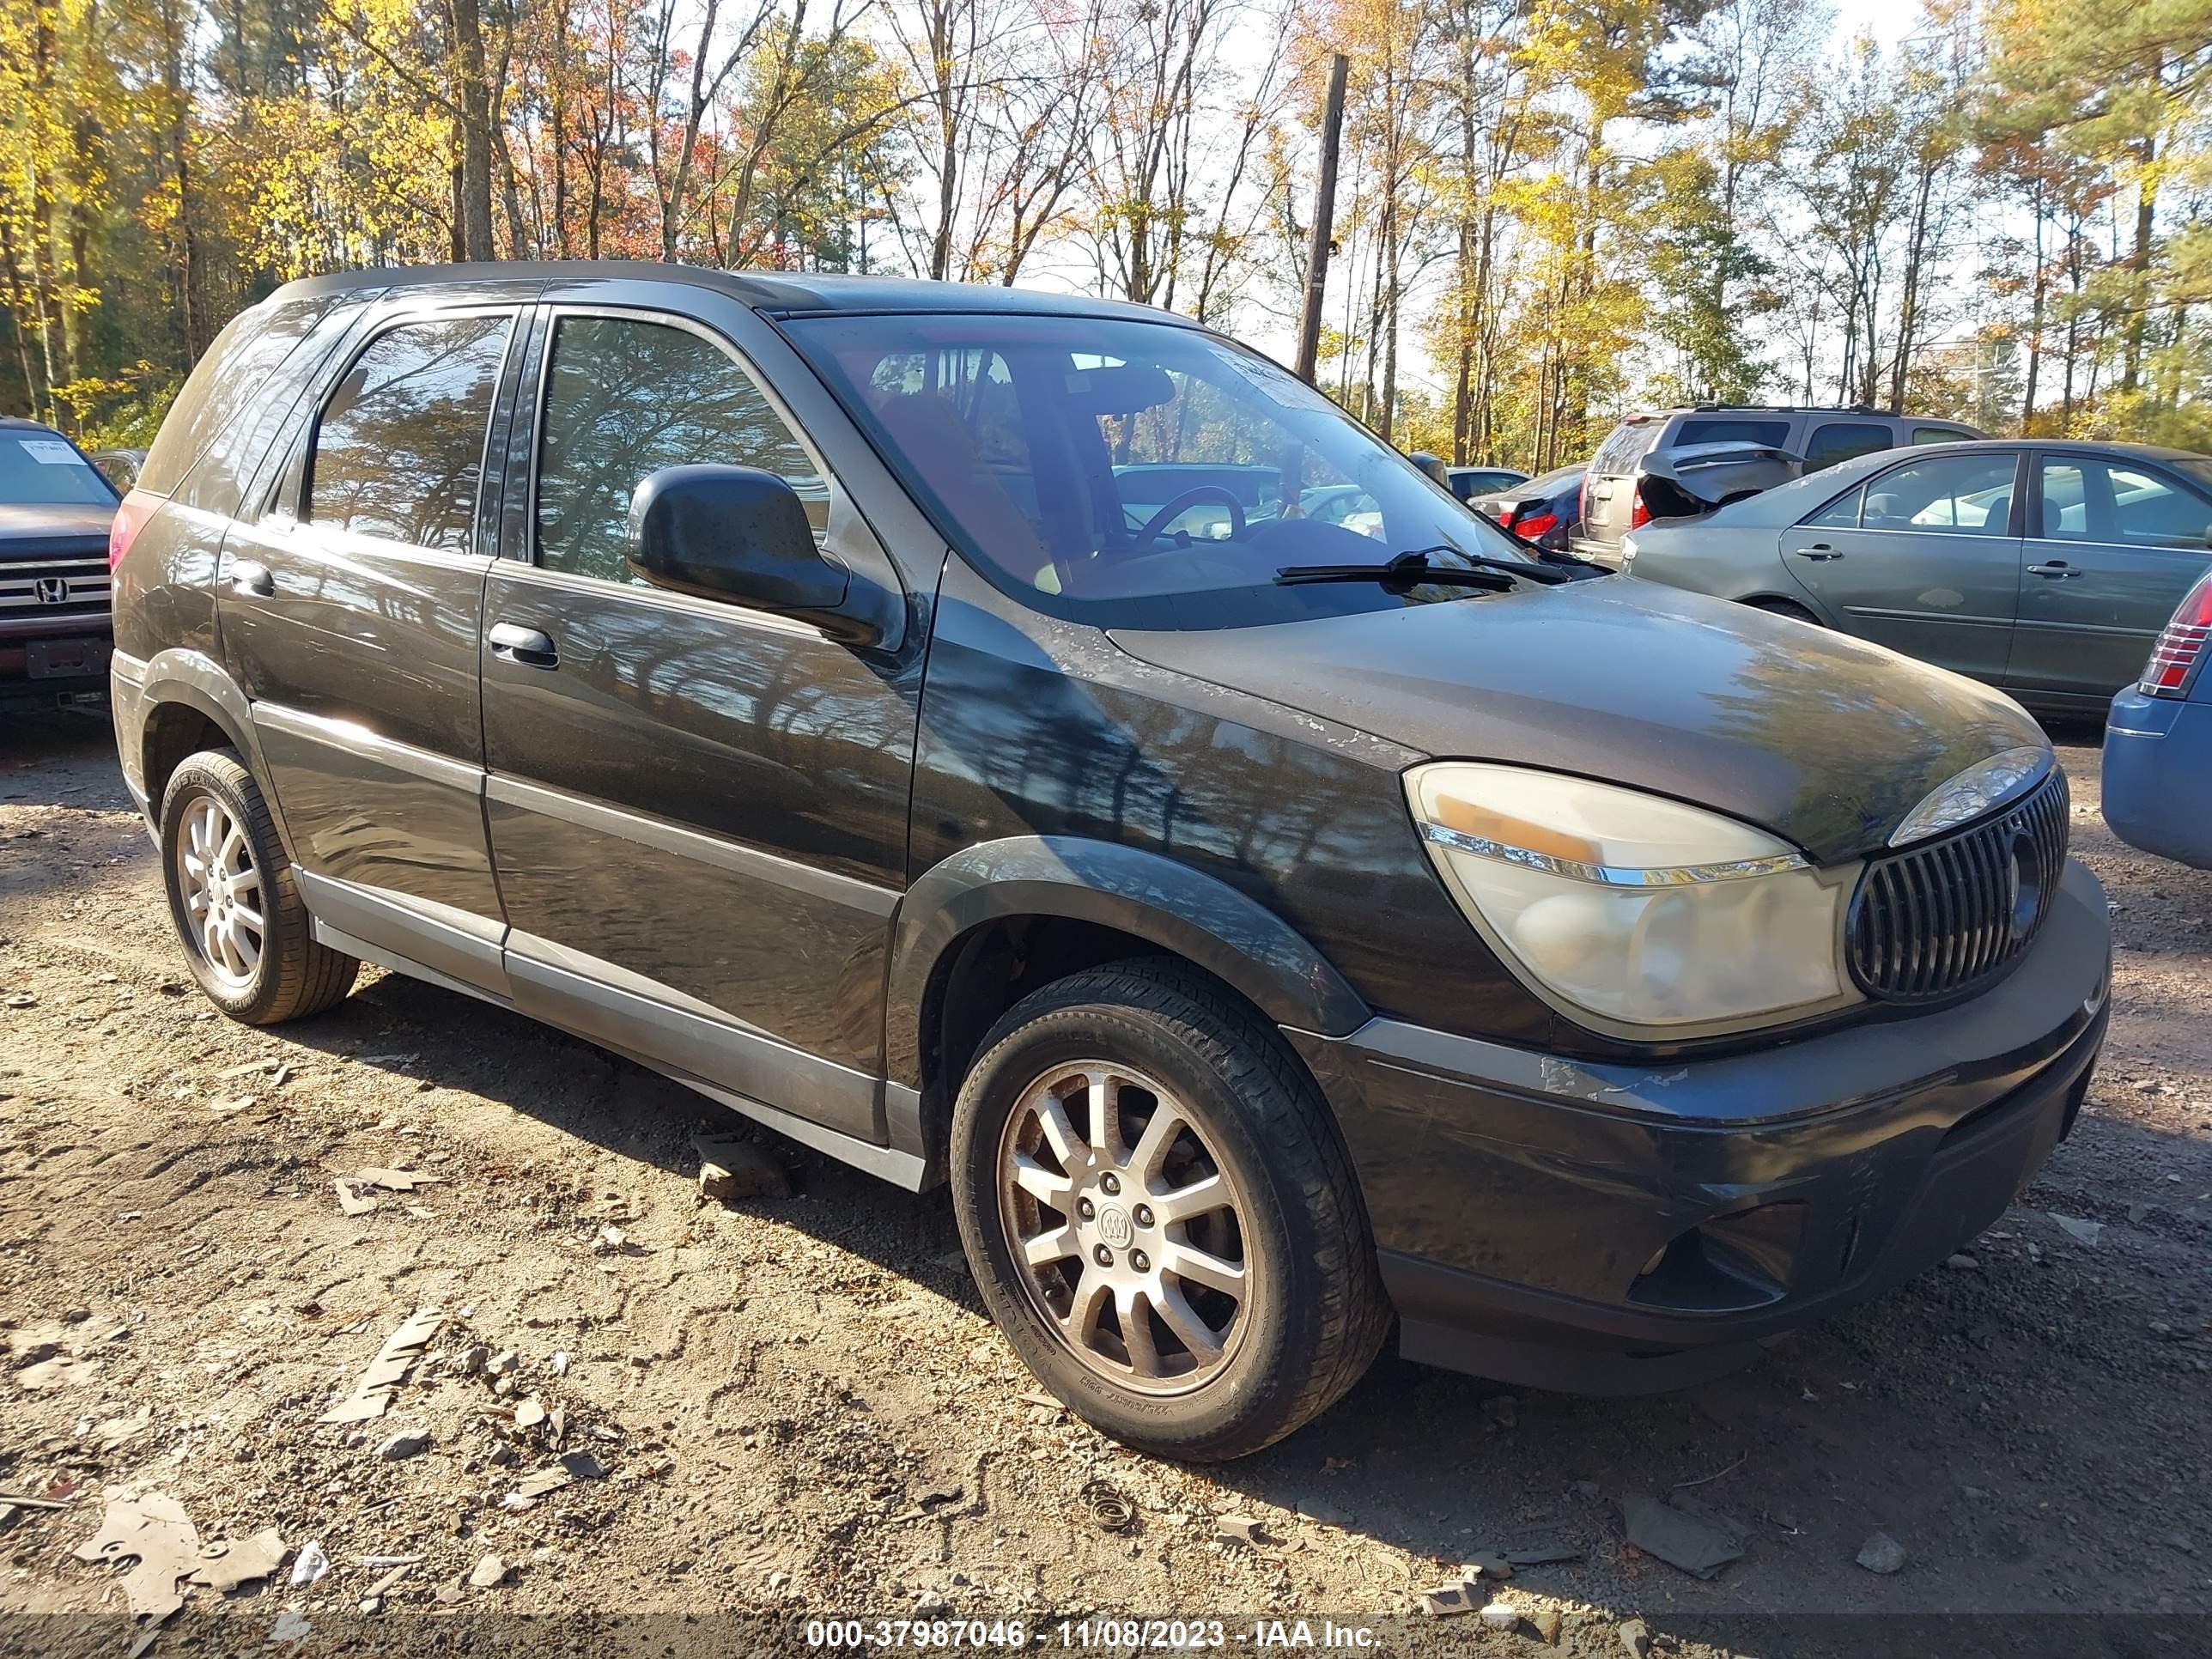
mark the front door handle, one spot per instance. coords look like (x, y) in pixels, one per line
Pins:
(251, 581)
(1818, 552)
(2057, 570)
(531, 647)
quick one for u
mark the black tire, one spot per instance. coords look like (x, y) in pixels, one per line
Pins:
(1788, 608)
(1315, 1312)
(294, 976)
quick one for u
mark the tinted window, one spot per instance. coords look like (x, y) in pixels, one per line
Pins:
(1952, 495)
(1940, 434)
(1623, 447)
(1723, 430)
(625, 398)
(2065, 501)
(208, 414)
(1842, 513)
(41, 467)
(2149, 512)
(1139, 474)
(399, 450)
(1839, 441)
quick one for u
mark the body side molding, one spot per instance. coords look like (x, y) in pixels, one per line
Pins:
(1197, 916)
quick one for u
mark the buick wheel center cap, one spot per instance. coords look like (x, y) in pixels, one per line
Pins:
(1113, 1227)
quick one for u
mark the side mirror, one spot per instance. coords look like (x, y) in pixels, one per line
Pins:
(1432, 464)
(738, 533)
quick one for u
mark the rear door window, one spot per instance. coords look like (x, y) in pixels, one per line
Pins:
(1731, 430)
(1948, 495)
(399, 452)
(1839, 440)
(2148, 511)
(1940, 434)
(1842, 513)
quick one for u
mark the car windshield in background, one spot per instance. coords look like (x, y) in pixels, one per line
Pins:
(1141, 475)
(42, 468)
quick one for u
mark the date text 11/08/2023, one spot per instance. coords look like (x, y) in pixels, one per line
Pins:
(1165, 1635)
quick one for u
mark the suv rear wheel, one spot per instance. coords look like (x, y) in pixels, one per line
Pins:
(231, 895)
(1160, 1216)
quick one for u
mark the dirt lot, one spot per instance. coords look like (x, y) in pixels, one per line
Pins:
(796, 1407)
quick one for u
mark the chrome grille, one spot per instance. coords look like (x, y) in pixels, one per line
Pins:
(54, 588)
(1933, 920)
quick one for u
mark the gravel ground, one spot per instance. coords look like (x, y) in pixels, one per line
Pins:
(795, 1406)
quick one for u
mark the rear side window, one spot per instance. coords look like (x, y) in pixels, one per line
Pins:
(1839, 440)
(1624, 446)
(399, 452)
(1842, 513)
(207, 418)
(1726, 429)
(625, 398)
(1940, 434)
(1945, 495)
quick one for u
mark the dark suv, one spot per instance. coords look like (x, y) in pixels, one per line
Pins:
(56, 510)
(843, 696)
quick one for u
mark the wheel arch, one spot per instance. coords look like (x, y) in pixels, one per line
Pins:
(1058, 903)
(187, 697)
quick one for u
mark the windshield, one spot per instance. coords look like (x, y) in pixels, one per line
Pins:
(43, 469)
(1139, 475)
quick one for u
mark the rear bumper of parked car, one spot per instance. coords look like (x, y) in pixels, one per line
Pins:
(2158, 776)
(1521, 1200)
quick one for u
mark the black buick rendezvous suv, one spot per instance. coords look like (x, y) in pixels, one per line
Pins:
(1275, 907)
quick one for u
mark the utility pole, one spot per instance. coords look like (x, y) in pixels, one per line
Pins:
(1331, 129)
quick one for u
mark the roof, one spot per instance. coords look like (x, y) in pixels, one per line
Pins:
(21, 423)
(2078, 445)
(779, 293)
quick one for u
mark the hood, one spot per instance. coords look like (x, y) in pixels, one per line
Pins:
(1825, 740)
(64, 528)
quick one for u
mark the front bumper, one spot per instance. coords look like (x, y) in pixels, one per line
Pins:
(1518, 1198)
(2157, 780)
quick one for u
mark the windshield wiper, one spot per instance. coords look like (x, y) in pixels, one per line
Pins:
(1412, 570)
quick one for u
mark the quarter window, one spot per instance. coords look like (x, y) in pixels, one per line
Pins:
(399, 450)
(625, 398)
(1727, 431)
(1842, 513)
(1950, 494)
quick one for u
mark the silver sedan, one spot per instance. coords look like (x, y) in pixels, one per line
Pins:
(2044, 567)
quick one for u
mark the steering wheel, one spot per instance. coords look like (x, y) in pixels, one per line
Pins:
(1156, 526)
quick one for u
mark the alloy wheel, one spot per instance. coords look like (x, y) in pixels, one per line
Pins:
(221, 890)
(1126, 1229)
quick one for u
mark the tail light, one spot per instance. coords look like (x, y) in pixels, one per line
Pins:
(2174, 658)
(1583, 512)
(1638, 513)
(130, 518)
(1536, 526)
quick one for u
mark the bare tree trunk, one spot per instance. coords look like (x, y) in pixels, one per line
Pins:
(2139, 264)
(472, 186)
(2034, 326)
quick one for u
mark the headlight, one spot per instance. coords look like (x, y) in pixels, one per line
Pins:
(1630, 912)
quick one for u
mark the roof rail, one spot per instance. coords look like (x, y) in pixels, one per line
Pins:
(1788, 409)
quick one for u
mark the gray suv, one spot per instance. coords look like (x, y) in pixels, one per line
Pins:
(895, 711)
(1613, 497)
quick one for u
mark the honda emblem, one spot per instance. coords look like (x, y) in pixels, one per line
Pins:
(52, 590)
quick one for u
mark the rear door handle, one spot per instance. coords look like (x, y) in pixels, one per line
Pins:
(2057, 570)
(251, 581)
(531, 647)
(1818, 552)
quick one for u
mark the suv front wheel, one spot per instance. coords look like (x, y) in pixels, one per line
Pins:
(1160, 1215)
(236, 907)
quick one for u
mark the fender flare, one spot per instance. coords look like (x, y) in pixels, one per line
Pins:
(1181, 909)
(181, 675)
